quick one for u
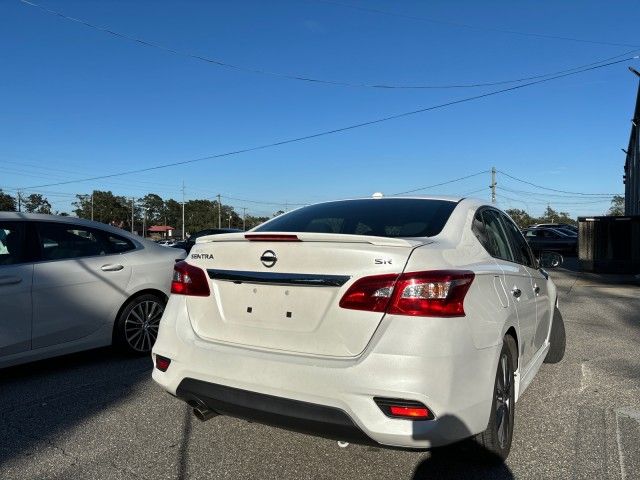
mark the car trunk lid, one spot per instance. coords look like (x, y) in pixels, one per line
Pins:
(281, 293)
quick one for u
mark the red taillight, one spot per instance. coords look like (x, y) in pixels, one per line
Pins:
(189, 280)
(438, 293)
(162, 363)
(409, 412)
(267, 237)
(370, 293)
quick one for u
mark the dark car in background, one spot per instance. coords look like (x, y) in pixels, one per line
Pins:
(558, 226)
(550, 239)
(191, 241)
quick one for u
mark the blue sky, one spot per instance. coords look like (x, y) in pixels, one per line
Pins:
(77, 102)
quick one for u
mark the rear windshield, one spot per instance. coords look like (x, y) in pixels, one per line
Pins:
(390, 217)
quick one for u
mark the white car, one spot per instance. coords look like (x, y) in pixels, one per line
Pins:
(405, 322)
(68, 285)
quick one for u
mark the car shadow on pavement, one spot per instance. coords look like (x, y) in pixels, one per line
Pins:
(462, 460)
(42, 402)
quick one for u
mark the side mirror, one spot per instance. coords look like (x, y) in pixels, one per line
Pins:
(550, 259)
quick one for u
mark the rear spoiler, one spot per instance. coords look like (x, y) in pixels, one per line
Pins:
(312, 237)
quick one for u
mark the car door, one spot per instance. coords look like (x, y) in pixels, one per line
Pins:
(77, 284)
(16, 274)
(517, 280)
(524, 256)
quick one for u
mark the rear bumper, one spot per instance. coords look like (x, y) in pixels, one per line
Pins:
(304, 417)
(432, 361)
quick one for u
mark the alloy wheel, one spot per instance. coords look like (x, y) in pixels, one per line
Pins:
(141, 325)
(504, 400)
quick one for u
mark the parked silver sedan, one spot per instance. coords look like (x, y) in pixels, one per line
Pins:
(68, 284)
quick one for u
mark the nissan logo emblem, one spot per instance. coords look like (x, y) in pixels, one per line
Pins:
(269, 258)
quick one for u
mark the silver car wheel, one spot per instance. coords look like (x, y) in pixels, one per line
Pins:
(141, 325)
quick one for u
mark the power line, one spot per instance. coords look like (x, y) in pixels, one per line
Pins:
(476, 27)
(554, 189)
(259, 202)
(548, 194)
(336, 130)
(303, 78)
(555, 202)
(442, 183)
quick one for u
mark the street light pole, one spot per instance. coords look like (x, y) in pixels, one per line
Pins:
(244, 218)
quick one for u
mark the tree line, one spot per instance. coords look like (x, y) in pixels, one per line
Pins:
(152, 209)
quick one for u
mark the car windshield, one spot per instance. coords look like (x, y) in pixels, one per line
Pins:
(391, 217)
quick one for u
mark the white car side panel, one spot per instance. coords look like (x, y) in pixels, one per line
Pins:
(15, 308)
(74, 298)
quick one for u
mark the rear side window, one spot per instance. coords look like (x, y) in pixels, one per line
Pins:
(390, 217)
(12, 249)
(59, 241)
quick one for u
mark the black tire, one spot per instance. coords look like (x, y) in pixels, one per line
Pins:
(557, 338)
(136, 328)
(493, 445)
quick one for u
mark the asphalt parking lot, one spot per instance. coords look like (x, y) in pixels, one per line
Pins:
(99, 415)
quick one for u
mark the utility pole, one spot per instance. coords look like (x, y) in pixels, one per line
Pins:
(229, 221)
(92, 206)
(19, 201)
(183, 233)
(219, 210)
(244, 218)
(144, 220)
(132, 212)
(493, 184)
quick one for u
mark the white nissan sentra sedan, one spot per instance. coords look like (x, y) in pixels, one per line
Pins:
(68, 284)
(407, 322)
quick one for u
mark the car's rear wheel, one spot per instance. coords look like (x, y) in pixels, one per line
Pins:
(494, 443)
(557, 339)
(137, 326)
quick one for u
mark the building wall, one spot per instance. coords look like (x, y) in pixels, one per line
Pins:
(632, 166)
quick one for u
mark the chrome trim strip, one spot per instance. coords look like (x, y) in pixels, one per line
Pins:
(271, 278)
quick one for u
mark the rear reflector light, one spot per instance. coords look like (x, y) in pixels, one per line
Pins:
(411, 412)
(266, 237)
(189, 280)
(408, 409)
(162, 363)
(439, 293)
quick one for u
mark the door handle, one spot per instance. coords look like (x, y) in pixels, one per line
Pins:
(516, 292)
(536, 289)
(111, 267)
(9, 280)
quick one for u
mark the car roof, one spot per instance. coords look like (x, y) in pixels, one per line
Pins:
(32, 217)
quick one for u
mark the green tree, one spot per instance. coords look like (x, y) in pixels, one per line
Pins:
(107, 208)
(552, 216)
(173, 215)
(36, 203)
(617, 205)
(522, 218)
(253, 221)
(201, 214)
(7, 202)
(155, 207)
